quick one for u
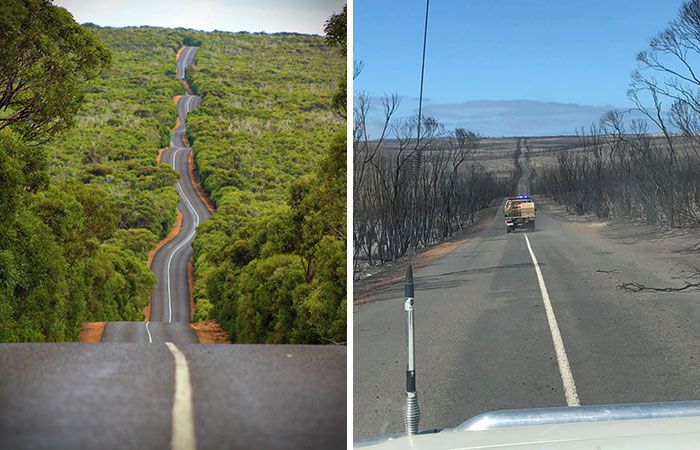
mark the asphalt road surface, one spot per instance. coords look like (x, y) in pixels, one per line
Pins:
(185, 59)
(135, 396)
(524, 182)
(170, 301)
(495, 330)
(163, 390)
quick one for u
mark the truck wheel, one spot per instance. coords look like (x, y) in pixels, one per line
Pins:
(532, 226)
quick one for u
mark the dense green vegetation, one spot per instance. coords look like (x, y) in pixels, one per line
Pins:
(126, 119)
(270, 149)
(45, 57)
(82, 198)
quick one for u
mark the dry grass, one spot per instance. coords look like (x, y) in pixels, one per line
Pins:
(494, 154)
(544, 151)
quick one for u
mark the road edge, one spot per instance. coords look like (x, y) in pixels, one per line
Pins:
(172, 235)
(195, 182)
(190, 281)
(174, 231)
(386, 277)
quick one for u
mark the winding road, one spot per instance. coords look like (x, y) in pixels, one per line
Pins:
(170, 301)
(528, 319)
(150, 385)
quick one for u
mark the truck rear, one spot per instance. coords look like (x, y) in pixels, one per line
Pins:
(519, 212)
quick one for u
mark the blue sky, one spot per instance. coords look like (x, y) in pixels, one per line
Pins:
(301, 16)
(564, 61)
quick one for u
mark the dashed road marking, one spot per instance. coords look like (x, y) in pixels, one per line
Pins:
(567, 377)
(183, 437)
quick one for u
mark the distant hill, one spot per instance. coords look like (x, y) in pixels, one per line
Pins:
(267, 144)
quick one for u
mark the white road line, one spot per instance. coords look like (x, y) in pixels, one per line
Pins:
(183, 243)
(567, 377)
(150, 338)
(183, 437)
(184, 60)
(181, 61)
(189, 58)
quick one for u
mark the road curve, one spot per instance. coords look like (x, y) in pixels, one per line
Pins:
(488, 338)
(184, 60)
(170, 301)
(163, 391)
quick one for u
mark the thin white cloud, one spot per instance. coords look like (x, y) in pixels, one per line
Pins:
(504, 117)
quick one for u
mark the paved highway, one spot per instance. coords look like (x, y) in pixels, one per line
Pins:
(170, 301)
(163, 390)
(184, 60)
(526, 319)
(160, 396)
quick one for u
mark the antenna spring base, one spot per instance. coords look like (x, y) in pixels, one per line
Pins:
(411, 413)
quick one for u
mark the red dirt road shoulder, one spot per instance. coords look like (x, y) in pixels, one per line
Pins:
(187, 86)
(210, 332)
(92, 332)
(195, 183)
(166, 239)
(190, 282)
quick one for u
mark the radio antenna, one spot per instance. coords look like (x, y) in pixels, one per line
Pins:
(411, 410)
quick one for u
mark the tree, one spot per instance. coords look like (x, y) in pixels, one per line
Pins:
(671, 55)
(336, 36)
(397, 206)
(336, 30)
(44, 59)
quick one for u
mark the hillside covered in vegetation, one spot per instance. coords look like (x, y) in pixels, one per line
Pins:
(270, 149)
(84, 199)
(83, 202)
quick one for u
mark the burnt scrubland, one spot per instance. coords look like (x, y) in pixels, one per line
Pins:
(618, 168)
(419, 193)
(269, 146)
